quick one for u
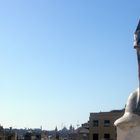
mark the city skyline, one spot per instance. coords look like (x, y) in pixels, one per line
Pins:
(61, 60)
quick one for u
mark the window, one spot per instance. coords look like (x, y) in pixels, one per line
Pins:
(95, 136)
(95, 123)
(106, 136)
(106, 123)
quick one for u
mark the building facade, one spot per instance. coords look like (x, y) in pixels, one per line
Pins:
(101, 125)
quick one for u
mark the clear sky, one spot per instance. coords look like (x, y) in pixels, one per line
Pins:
(62, 59)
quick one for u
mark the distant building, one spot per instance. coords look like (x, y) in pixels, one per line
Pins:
(86, 125)
(36, 135)
(8, 134)
(2, 133)
(101, 125)
(81, 133)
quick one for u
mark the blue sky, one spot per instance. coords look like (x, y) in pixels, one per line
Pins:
(62, 59)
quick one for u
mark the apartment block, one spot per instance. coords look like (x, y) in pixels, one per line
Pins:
(101, 125)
